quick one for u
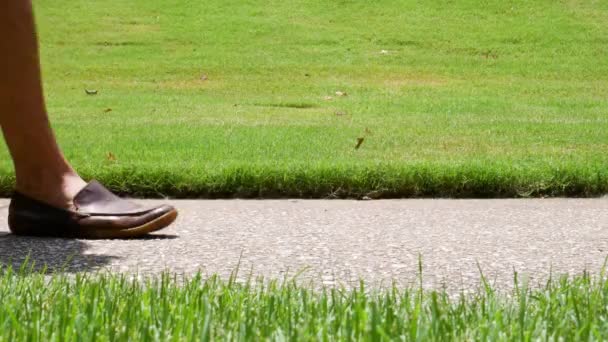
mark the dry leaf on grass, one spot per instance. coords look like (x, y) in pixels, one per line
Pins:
(359, 142)
(107, 110)
(341, 93)
(90, 91)
(111, 157)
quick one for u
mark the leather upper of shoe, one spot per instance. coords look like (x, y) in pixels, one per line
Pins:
(95, 199)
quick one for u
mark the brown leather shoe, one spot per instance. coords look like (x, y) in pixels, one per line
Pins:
(99, 214)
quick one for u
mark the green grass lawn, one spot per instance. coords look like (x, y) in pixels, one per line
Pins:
(105, 307)
(462, 98)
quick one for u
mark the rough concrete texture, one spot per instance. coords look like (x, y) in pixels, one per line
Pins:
(339, 242)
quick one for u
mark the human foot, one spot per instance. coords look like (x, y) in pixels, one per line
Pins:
(56, 189)
(95, 213)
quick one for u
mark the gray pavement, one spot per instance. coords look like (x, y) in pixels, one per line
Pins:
(339, 242)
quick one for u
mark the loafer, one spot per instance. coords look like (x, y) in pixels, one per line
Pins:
(97, 214)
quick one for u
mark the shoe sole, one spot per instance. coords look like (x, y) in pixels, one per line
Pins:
(134, 232)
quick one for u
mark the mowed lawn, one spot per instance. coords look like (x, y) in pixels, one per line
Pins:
(262, 99)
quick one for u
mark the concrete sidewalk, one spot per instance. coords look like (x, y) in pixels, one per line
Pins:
(339, 242)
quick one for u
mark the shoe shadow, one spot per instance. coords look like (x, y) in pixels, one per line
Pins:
(51, 255)
(156, 237)
(56, 254)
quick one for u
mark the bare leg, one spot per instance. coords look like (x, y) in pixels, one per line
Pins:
(41, 169)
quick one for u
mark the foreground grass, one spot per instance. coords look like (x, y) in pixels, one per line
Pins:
(467, 98)
(107, 307)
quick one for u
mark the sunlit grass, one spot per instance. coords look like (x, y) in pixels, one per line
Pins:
(236, 98)
(107, 307)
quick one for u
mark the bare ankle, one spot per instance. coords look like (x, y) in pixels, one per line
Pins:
(55, 188)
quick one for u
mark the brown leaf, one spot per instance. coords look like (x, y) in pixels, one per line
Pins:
(111, 157)
(107, 110)
(359, 142)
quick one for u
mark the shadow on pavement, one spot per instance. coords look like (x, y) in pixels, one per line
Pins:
(158, 237)
(57, 255)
